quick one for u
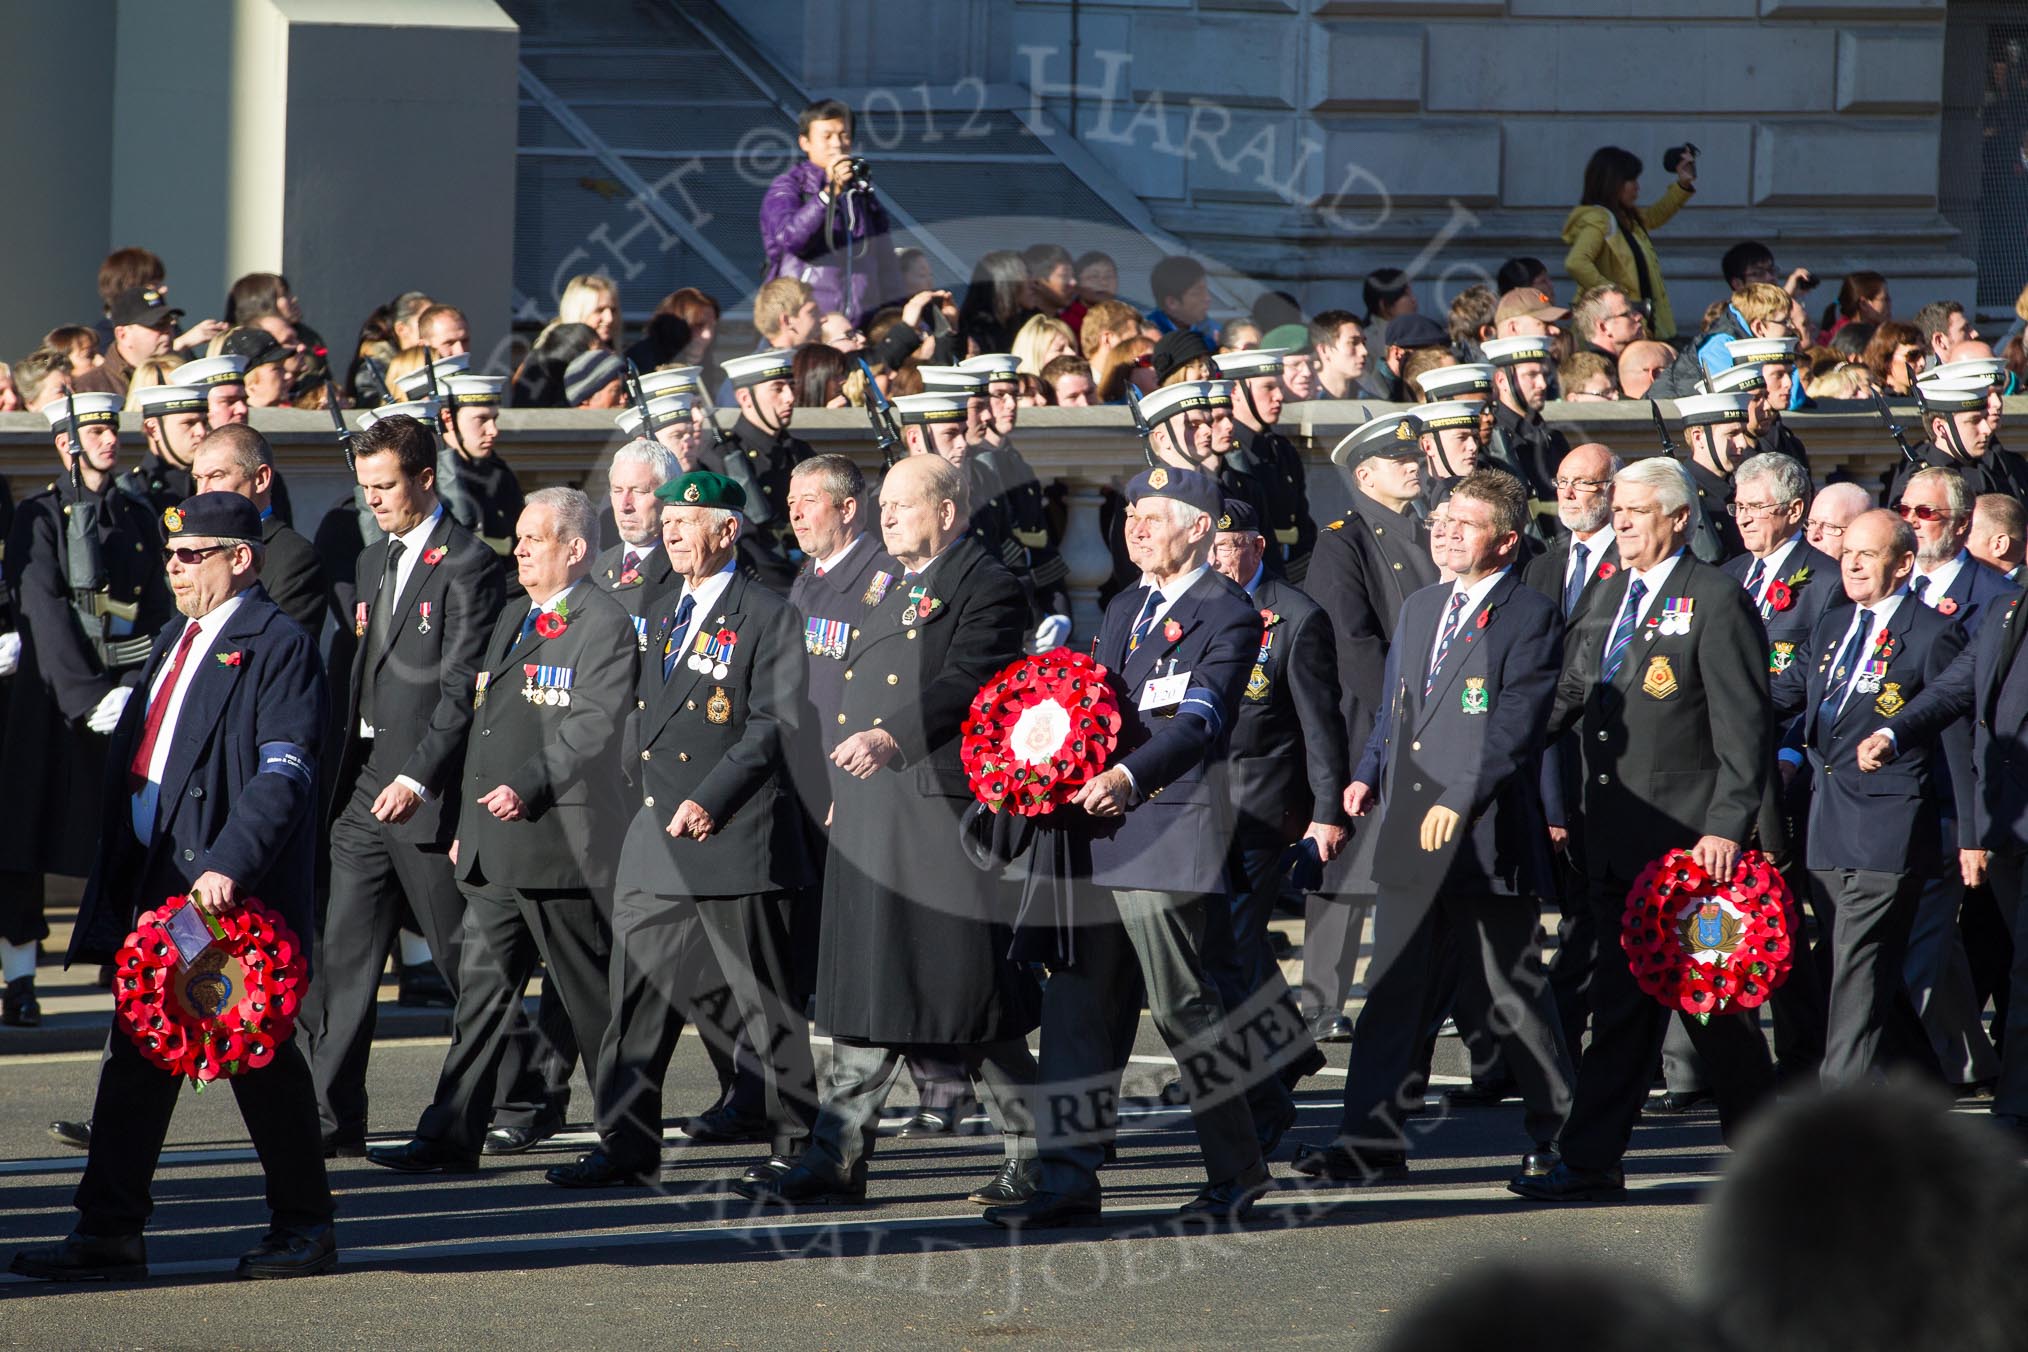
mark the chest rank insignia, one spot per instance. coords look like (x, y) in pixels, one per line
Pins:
(718, 708)
(1473, 699)
(1660, 682)
(1257, 684)
(1890, 702)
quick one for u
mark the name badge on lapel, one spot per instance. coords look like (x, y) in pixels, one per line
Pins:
(1164, 692)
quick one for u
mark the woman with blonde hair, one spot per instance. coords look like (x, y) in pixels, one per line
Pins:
(592, 300)
(1041, 341)
(150, 373)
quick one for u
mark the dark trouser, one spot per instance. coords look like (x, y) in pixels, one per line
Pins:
(371, 872)
(1332, 929)
(1248, 979)
(1500, 963)
(1626, 1035)
(2008, 875)
(942, 1080)
(506, 931)
(1158, 938)
(1869, 1000)
(859, 1079)
(536, 1063)
(1937, 971)
(22, 920)
(1983, 925)
(130, 1120)
(662, 974)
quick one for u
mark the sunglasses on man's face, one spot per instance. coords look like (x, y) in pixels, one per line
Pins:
(190, 558)
(1922, 512)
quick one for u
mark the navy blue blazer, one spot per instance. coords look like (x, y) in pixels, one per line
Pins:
(1814, 585)
(1887, 821)
(1474, 745)
(239, 789)
(1178, 827)
(1972, 589)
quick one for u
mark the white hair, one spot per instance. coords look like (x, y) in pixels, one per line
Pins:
(570, 512)
(1181, 514)
(715, 516)
(659, 459)
(1783, 473)
(1669, 480)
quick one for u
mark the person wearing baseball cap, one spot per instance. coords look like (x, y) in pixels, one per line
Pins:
(1525, 312)
(144, 326)
(265, 372)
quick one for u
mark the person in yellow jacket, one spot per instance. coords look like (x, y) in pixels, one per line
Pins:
(1608, 232)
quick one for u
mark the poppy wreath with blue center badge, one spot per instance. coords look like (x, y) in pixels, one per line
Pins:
(1037, 731)
(223, 1013)
(1704, 945)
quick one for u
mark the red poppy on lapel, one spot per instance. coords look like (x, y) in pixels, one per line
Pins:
(1606, 570)
(549, 624)
(434, 556)
(1172, 631)
(230, 659)
(1947, 606)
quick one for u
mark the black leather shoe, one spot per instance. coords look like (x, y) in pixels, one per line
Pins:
(345, 1147)
(85, 1258)
(768, 1170)
(1476, 1095)
(1343, 1164)
(804, 1186)
(1675, 1104)
(301, 1251)
(936, 1121)
(77, 1135)
(600, 1170)
(1270, 1134)
(1565, 1184)
(18, 1006)
(1014, 1183)
(1047, 1211)
(1226, 1203)
(422, 1156)
(721, 1126)
(1541, 1161)
(1331, 1028)
(1303, 1067)
(515, 1140)
(419, 985)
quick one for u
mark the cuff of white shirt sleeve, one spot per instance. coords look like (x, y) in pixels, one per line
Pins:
(1133, 786)
(1890, 735)
(418, 790)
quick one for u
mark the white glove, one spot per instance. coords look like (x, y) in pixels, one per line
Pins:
(107, 715)
(10, 654)
(1053, 632)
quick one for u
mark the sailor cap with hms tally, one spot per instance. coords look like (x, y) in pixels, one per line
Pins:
(999, 368)
(158, 400)
(92, 409)
(953, 380)
(1390, 434)
(1447, 415)
(1745, 378)
(1706, 410)
(209, 371)
(1170, 400)
(1449, 382)
(937, 406)
(1762, 351)
(664, 410)
(1990, 370)
(672, 380)
(1954, 394)
(1515, 351)
(423, 411)
(416, 384)
(1254, 361)
(758, 368)
(474, 391)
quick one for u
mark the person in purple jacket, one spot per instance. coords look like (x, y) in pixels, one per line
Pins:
(821, 223)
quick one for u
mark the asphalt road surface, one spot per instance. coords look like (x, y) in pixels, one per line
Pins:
(506, 1260)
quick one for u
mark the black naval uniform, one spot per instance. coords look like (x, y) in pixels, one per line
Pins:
(52, 825)
(1714, 536)
(762, 465)
(488, 491)
(292, 575)
(157, 483)
(1273, 465)
(1008, 517)
(1999, 470)
(1534, 450)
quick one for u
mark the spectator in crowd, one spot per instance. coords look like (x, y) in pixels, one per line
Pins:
(918, 274)
(1587, 377)
(1052, 279)
(1608, 232)
(1641, 364)
(1532, 273)
(10, 398)
(41, 376)
(1895, 354)
(1106, 324)
(1041, 341)
(1070, 383)
(1527, 313)
(818, 373)
(1299, 374)
(1852, 342)
(444, 330)
(1387, 293)
(1182, 292)
(681, 333)
(1239, 335)
(390, 329)
(785, 314)
(1033, 391)
(150, 373)
(821, 223)
(1836, 506)
(1098, 279)
(1339, 340)
(1999, 537)
(591, 299)
(1420, 363)
(80, 343)
(595, 378)
(1759, 311)
(834, 329)
(994, 303)
(1944, 325)
(1471, 320)
(259, 296)
(1123, 364)
(144, 326)
(1750, 262)
(1406, 332)
(539, 381)
(1862, 296)
(139, 268)
(1606, 321)
(1846, 380)
(1272, 309)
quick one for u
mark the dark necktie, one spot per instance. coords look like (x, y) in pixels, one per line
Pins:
(1850, 659)
(678, 633)
(1623, 632)
(629, 562)
(528, 623)
(1753, 577)
(1436, 664)
(1918, 587)
(1580, 565)
(1146, 622)
(381, 626)
(158, 708)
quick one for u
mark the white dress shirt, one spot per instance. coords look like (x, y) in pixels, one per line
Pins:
(1595, 546)
(1938, 582)
(707, 594)
(824, 566)
(1475, 596)
(414, 541)
(1654, 579)
(1771, 568)
(143, 802)
(1171, 594)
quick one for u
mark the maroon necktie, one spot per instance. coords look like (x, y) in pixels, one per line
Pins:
(158, 708)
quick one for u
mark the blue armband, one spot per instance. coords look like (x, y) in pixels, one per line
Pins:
(1202, 700)
(286, 758)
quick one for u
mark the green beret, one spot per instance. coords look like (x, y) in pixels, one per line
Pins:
(702, 488)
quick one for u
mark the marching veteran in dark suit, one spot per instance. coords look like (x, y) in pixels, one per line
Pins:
(541, 821)
(714, 850)
(1364, 567)
(1455, 764)
(429, 594)
(635, 568)
(211, 792)
(1177, 651)
(914, 949)
(1873, 840)
(1288, 774)
(1666, 682)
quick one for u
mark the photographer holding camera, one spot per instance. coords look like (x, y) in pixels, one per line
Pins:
(1608, 230)
(821, 223)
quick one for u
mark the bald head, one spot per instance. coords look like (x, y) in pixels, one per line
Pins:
(1584, 488)
(1640, 364)
(1969, 349)
(922, 508)
(1831, 511)
(1999, 539)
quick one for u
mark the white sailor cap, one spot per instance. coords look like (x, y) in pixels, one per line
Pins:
(1745, 377)
(225, 370)
(423, 411)
(474, 390)
(952, 380)
(1762, 350)
(1390, 434)
(941, 406)
(672, 380)
(1991, 370)
(1447, 415)
(91, 408)
(664, 410)
(1515, 351)
(1958, 394)
(1184, 394)
(758, 368)
(157, 400)
(1448, 382)
(1703, 410)
(1255, 361)
(1000, 367)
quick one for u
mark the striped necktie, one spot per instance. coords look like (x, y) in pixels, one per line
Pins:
(1623, 632)
(1444, 643)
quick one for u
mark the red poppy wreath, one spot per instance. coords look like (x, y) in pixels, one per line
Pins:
(226, 1010)
(1037, 731)
(1706, 946)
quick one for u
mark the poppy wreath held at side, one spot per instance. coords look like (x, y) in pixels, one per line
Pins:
(224, 1012)
(1037, 731)
(1704, 945)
